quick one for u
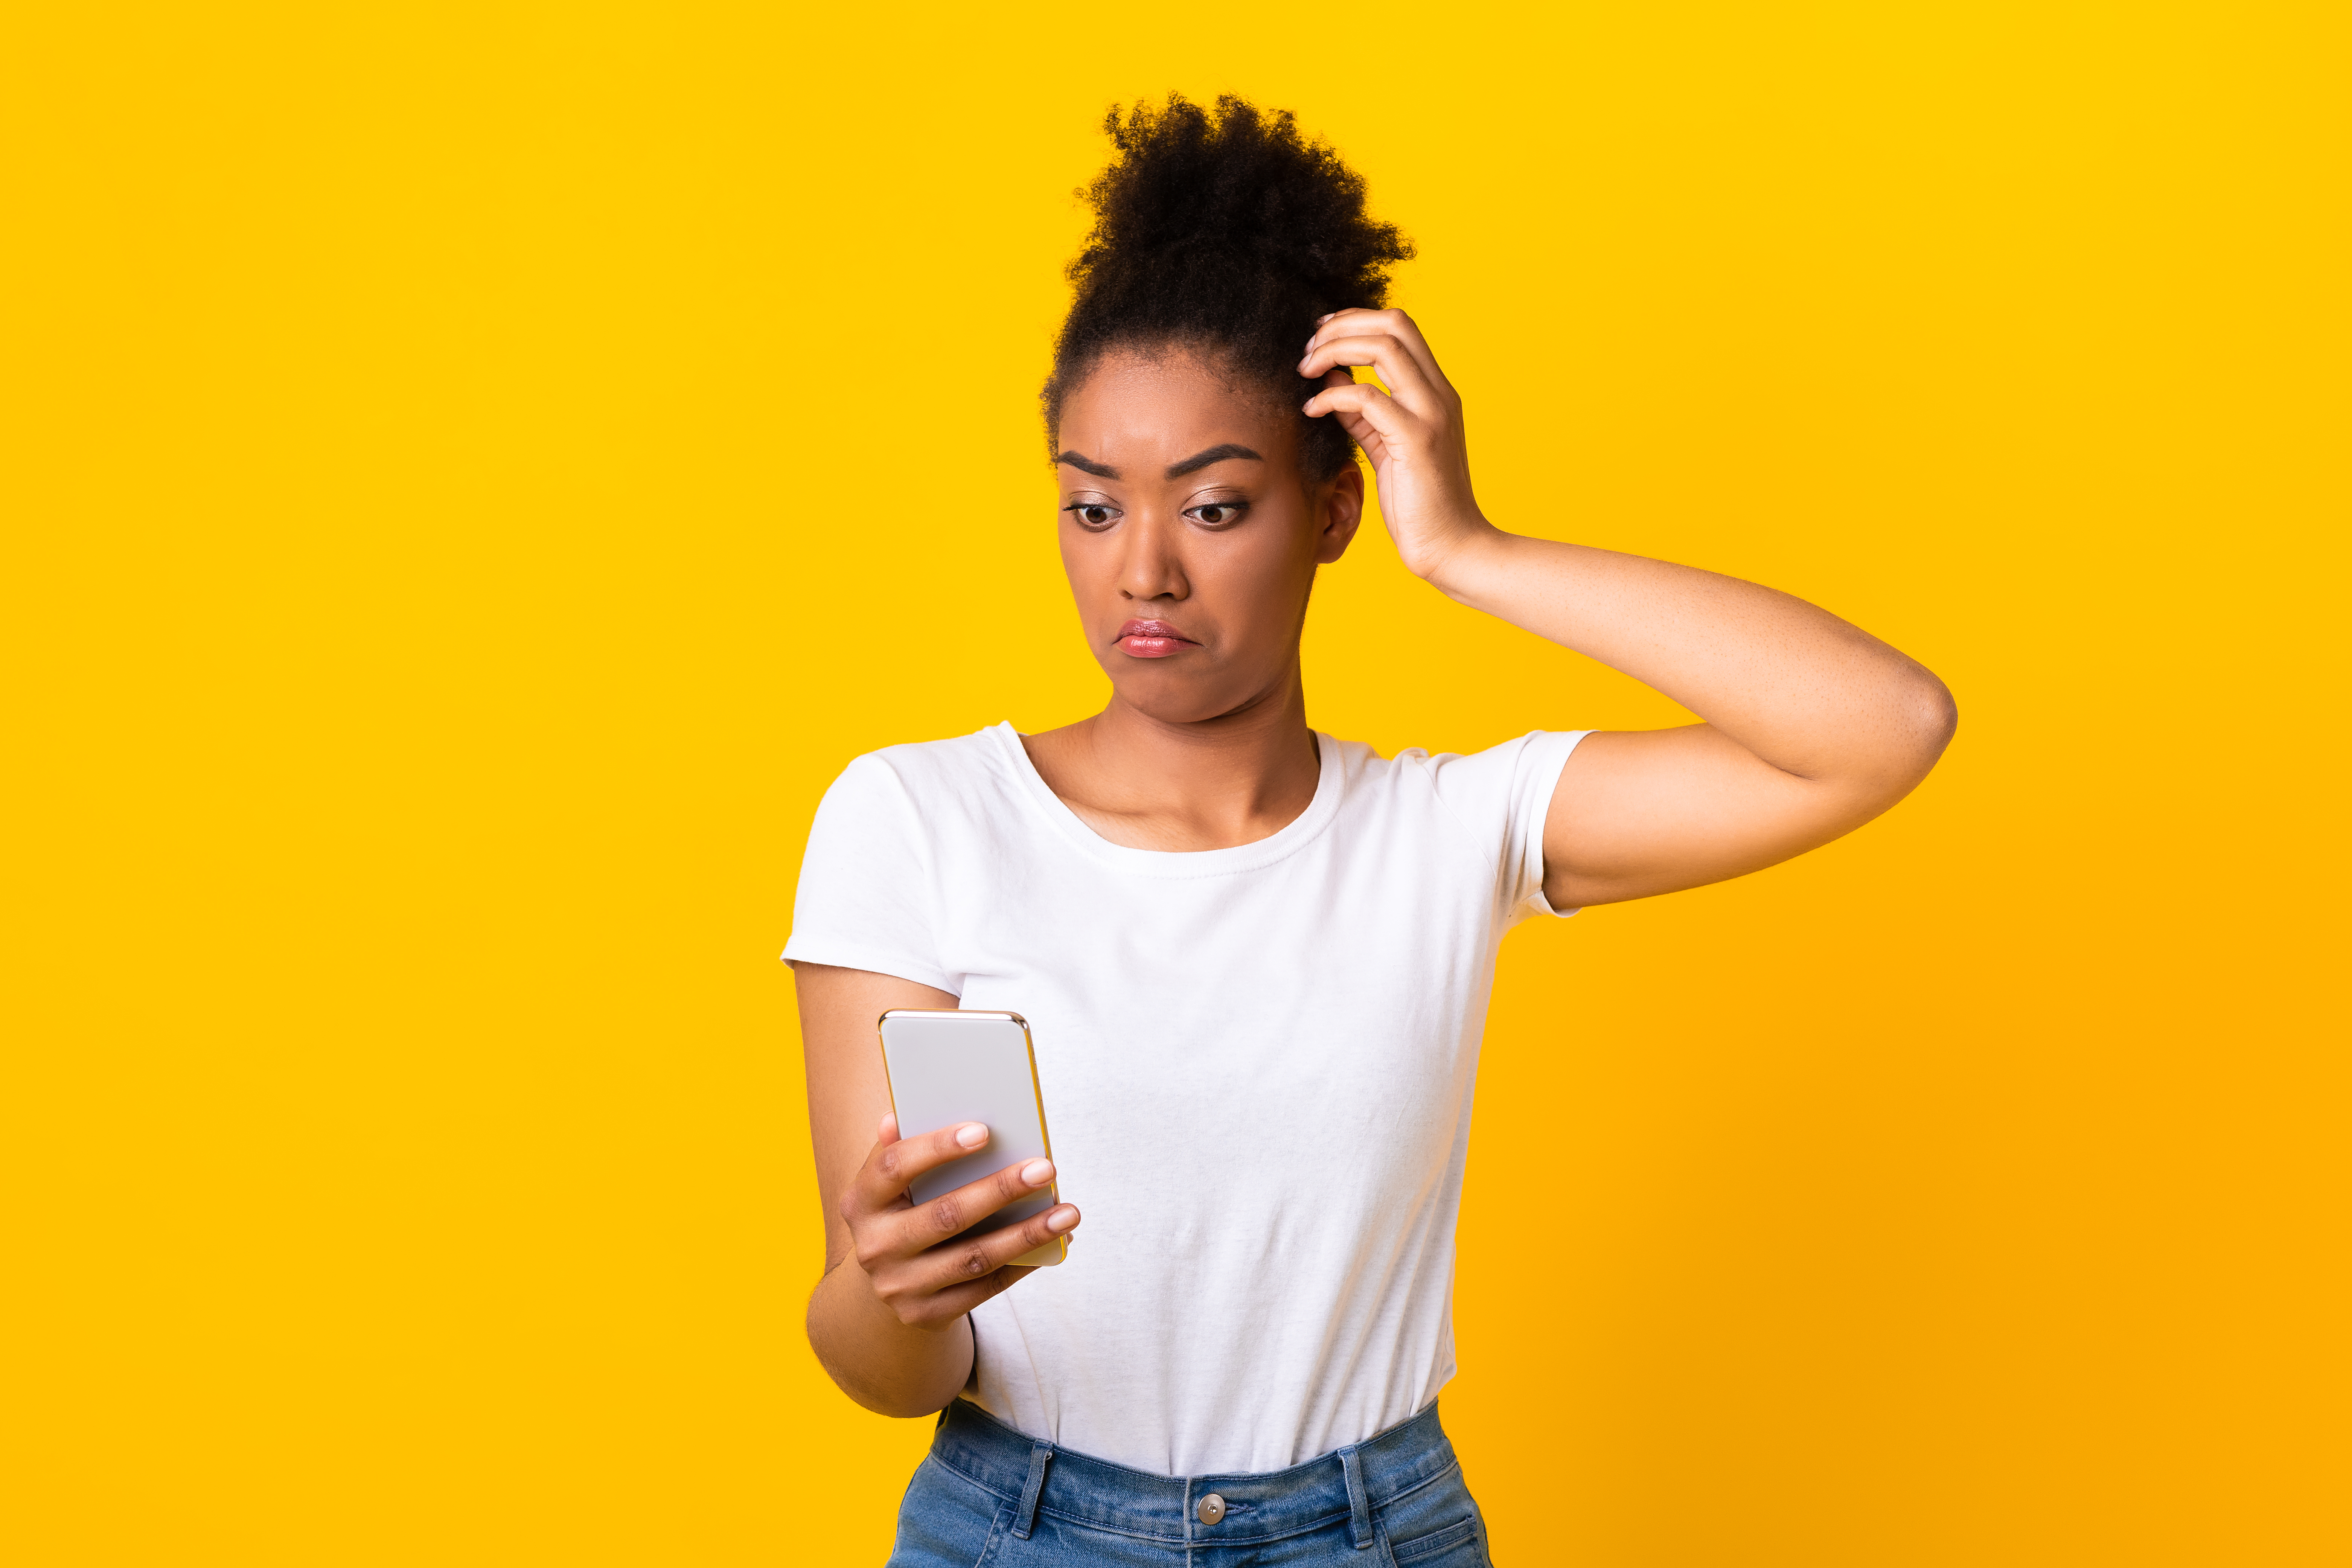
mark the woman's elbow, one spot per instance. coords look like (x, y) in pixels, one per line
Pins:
(899, 1406)
(1894, 742)
(1925, 719)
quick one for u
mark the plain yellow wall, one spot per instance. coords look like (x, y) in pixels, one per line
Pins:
(474, 473)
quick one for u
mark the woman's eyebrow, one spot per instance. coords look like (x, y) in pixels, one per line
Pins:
(1214, 454)
(1086, 465)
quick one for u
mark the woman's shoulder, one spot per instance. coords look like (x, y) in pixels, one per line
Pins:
(923, 770)
(1424, 764)
(1477, 783)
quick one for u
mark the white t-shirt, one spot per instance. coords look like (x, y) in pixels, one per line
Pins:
(1256, 1066)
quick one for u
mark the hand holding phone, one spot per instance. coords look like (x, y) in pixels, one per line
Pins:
(924, 1210)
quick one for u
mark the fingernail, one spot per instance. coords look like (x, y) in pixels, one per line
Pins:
(1037, 1172)
(1062, 1219)
(1325, 317)
(972, 1134)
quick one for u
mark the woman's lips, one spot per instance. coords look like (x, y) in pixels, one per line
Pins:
(1151, 639)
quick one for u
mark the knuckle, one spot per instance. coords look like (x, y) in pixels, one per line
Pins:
(976, 1263)
(887, 1163)
(948, 1215)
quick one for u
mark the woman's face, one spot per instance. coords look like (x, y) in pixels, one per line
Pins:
(1190, 536)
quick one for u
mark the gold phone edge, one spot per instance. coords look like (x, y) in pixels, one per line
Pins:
(1045, 1132)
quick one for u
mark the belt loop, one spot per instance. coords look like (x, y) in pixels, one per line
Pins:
(1024, 1518)
(1359, 1502)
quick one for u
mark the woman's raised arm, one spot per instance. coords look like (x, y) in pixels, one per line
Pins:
(1813, 726)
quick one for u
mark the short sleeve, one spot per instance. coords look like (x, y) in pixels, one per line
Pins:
(866, 898)
(1503, 796)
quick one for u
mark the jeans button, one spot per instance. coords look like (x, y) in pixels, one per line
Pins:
(1212, 1509)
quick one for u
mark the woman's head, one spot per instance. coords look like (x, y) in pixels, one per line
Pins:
(1195, 492)
(1226, 235)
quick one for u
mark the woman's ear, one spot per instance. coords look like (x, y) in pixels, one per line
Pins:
(1340, 509)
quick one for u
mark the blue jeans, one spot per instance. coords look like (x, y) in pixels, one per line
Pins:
(988, 1494)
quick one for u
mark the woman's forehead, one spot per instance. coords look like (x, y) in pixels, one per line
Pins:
(1152, 412)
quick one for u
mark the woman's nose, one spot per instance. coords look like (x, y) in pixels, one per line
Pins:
(1150, 569)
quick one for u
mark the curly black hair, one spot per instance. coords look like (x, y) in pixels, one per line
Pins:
(1224, 233)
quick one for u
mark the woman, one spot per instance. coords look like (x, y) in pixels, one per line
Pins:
(1255, 959)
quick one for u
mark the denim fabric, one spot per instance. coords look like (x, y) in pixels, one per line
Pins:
(988, 1494)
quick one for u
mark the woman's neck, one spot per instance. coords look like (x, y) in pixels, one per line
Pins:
(1150, 784)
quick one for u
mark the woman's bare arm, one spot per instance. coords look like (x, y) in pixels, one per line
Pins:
(888, 1319)
(1813, 727)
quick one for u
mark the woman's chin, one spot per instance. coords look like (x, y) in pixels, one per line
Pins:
(1166, 708)
(1185, 702)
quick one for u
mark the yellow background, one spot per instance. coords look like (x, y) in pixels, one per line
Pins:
(474, 473)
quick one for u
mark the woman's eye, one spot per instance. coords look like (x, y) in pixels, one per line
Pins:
(1218, 512)
(1094, 515)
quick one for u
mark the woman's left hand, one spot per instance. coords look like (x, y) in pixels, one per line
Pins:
(1411, 432)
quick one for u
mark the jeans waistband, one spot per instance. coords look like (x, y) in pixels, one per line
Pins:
(1036, 1476)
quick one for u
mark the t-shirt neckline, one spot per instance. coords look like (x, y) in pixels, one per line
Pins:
(1290, 838)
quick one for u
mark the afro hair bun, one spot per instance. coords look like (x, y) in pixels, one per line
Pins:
(1228, 231)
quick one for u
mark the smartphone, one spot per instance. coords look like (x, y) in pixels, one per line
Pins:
(950, 1068)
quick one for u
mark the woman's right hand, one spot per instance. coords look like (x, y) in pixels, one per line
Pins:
(918, 1263)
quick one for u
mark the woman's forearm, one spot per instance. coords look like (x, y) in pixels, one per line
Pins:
(879, 1362)
(1792, 686)
(1803, 690)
